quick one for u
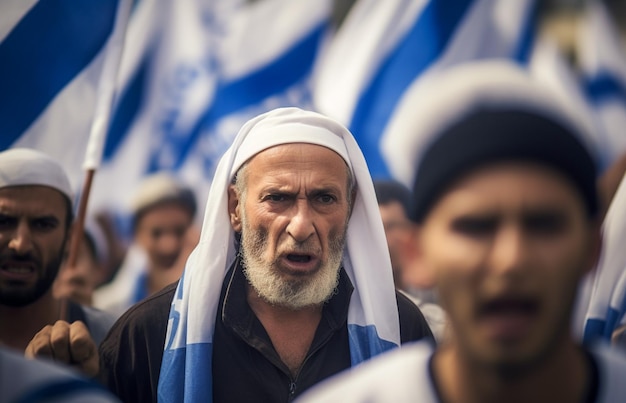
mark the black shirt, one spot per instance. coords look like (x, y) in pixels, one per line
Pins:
(246, 367)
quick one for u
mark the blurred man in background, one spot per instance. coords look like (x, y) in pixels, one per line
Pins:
(394, 200)
(163, 236)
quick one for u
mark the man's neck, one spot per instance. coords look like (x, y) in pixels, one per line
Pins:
(291, 331)
(161, 277)
(18, 325)
(564, 376)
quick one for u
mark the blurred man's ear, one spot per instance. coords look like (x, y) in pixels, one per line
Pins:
(416, 272)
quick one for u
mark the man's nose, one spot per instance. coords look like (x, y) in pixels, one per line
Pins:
(301, 226)
(21, 239)
(508, 251)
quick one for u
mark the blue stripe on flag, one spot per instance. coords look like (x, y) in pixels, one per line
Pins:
(594, 329)
(52, 44)
(127, 108)
(275, 78)
(527, 36)
(365, 343)
(422, 45)
(605, 85)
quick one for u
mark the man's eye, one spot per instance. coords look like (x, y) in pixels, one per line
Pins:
(45, 224)
(545, 224)
(5, 221)
(275, 197)
(474, 226)
(326, 199)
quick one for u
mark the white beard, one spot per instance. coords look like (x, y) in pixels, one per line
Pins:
(266, 279)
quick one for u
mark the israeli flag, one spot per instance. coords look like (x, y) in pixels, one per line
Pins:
(603, 64)
(602, 300)
(548, 65)
(208, 68)
(607, 284)
(54, 54)
(383, 48)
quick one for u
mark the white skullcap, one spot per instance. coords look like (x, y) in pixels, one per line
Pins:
(441, 98)
(27, 167)
(162, 187)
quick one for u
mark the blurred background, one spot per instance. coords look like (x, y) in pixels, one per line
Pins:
(130, 88)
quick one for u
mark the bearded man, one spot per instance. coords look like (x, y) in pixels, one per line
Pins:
(290, 283)
(35, 225)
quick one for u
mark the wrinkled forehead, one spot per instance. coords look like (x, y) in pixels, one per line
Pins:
(262, 137)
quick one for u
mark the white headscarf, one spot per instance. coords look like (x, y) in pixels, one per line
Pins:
(373, 325)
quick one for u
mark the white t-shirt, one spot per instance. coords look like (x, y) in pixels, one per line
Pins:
(403, 375)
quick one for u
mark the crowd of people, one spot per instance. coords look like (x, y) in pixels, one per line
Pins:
(458, 288)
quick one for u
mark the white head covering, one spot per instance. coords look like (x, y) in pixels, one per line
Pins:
(27, 167)
(160, 187)
(373, 324)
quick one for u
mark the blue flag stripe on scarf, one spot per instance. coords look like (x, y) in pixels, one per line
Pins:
(275, 78)
(422, 45)
(605, 85)
(365, 343)
(52, 44)
(201, 357)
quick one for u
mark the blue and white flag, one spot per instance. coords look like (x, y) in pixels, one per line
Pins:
(603, 64)
(209, 67)
(383, 48)
(606, 298)
(54, 54)
(548, 65)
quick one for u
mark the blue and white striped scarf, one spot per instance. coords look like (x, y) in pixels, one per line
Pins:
(373, 325)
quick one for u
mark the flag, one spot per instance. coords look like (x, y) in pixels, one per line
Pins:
(53, 54)
(606, 291)
(208, 67)
(603, 64)
(383, 48)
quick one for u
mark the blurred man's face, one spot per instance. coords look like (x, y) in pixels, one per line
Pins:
(397, 230)
(293, 219)
(508, 245)
(161, 232)
(33, 234)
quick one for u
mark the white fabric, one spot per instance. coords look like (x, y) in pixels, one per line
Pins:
(603, 302)
(23, 167)
(366, 257)
(403, 376)
(445, 96)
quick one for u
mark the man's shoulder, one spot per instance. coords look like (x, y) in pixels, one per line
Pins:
(399, 375)
(413, 324)
(611, 364)
(147, 318)
(98, 322)
(153, 308)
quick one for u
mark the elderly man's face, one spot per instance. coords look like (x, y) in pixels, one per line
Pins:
(32, 240)
(293, 218)
(508, 245)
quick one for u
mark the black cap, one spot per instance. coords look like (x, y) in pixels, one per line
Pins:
(488, 136)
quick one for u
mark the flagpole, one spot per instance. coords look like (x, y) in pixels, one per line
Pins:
(99, 126)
